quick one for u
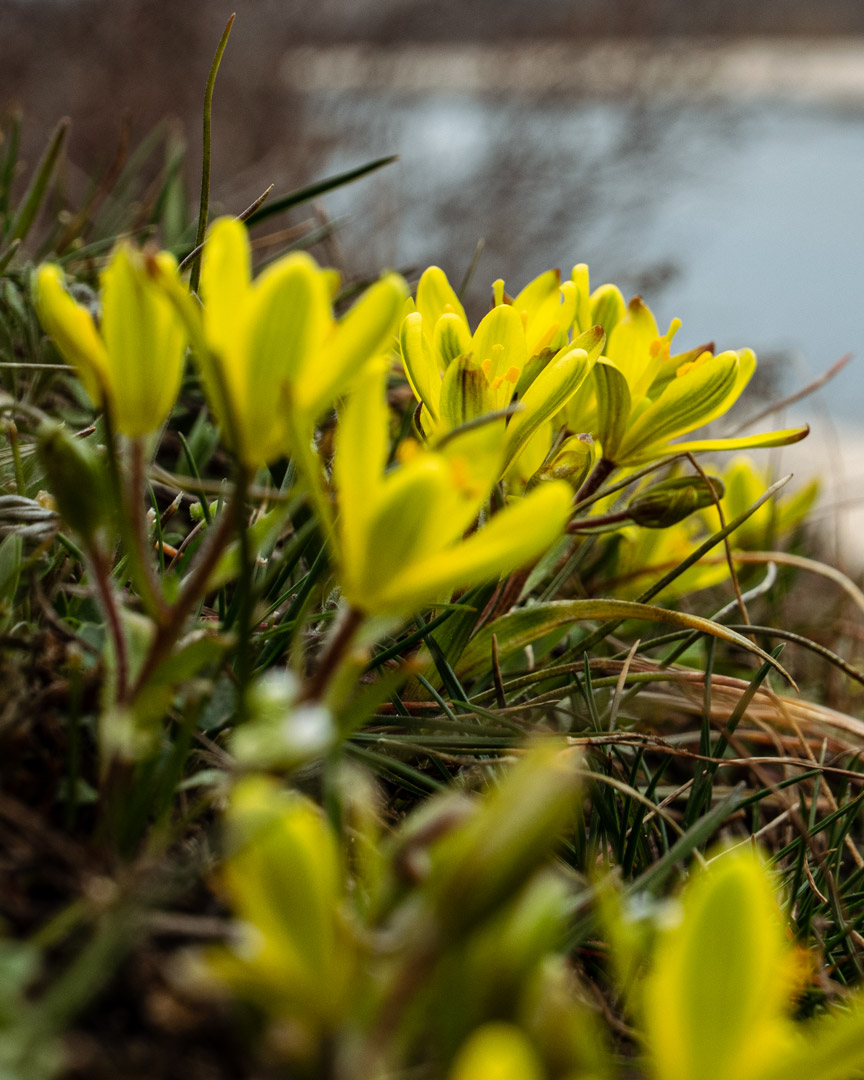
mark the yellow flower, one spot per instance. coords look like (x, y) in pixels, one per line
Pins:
(497, 1051)
(716, 1004)
(131, 364)
(284, 879)
(401, 532)
(521, 351)
(279, 358)
(646, 397)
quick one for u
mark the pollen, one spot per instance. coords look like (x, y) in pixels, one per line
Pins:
(659, 349)
(512, 374)
(692, 364)
(486, 367)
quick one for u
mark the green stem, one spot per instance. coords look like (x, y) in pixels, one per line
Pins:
(126, 502)
(245, 584)
(204, 206)
(599, 522)
(192, 592)
(139, 539)
(336, 647)
(598, 474)
(15, 447)
(102, 577)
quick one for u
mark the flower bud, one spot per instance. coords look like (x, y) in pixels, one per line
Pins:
(279, 733)
(491, 857)
(571, 461)
(674, 499)
(76, 479)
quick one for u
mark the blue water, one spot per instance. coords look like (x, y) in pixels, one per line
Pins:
(744, 220)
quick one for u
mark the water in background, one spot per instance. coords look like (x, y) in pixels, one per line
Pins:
(723, 185)
(743, 217)
(746, 221)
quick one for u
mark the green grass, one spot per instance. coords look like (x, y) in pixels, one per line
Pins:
(111, 866)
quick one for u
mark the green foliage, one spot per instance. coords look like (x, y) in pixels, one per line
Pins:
(330, 633)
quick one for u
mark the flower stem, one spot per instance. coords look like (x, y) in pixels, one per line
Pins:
(102, 577)
(337, 645)
(191, 593)
(138, 535)
(246, 586)
(598, 474)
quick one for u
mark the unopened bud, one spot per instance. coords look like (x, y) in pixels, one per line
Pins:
(571, 462)
(76, 478)
(674, 499)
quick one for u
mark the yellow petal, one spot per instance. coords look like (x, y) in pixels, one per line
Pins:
(226, 275)
(364, 332)
(403, 527)
(685, 404)
(144, 338)
(465, 393)
(613, 407)
(745, 442)
(450, 338)
(435, 297)
(629, 344)
(549, 392)
(516, 536)
(715, 1002)
(359, 460)
(498, 347)
(418, 360)
(497, 1051)
(71, 326)
(607, 307)
(288, 318)
(547, 309)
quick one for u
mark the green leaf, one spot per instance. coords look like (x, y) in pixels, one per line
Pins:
(520, 628)
(321, 187)
(34, 195)
(11, 555)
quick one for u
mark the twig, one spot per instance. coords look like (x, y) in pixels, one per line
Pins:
(799, 395)
(247, 213)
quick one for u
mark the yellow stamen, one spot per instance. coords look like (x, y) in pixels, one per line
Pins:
(550, 333)
(691, 364)
(512, 375)
(659, 349)
(486, 367)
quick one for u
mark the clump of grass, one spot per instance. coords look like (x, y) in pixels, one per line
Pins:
(450, 813)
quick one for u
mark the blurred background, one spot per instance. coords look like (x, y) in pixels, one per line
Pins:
(707, 154)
